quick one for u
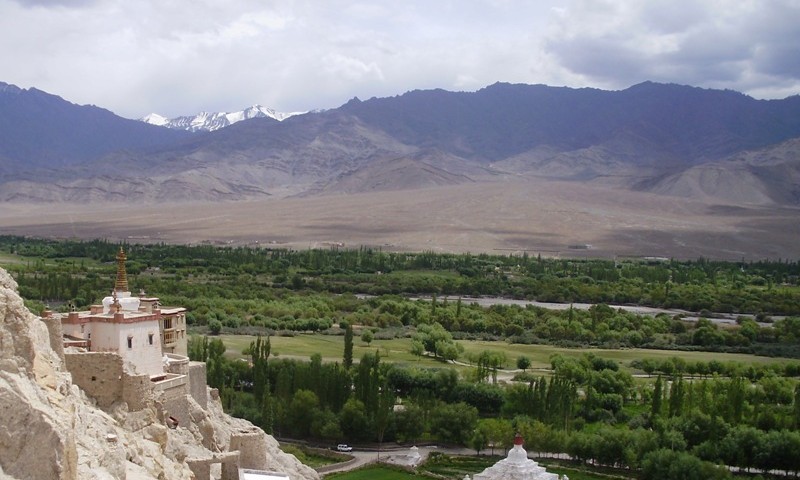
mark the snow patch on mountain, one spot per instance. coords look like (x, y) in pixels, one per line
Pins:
(209, 121)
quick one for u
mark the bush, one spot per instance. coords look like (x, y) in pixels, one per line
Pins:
(215, 326)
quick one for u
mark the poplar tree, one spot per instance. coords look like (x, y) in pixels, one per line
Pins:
(797, 406)
(347, 361)
(259, 354)
(658, 394)
(676, 397)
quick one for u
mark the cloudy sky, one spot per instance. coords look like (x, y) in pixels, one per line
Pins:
(179, 57)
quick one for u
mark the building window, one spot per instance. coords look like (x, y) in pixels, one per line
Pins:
(130, 342)
(150, 338)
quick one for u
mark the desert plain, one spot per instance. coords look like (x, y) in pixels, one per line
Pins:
(551, 218)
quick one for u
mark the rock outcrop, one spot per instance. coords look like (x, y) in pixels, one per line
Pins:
(50, 428)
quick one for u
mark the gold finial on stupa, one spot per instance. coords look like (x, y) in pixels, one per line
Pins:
(121, 285)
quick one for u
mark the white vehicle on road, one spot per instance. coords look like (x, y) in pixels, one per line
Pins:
(343, 447)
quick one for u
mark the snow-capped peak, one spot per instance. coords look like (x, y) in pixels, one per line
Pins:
(209, 122)
(155, 119)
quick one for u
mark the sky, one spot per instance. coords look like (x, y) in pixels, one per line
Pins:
(180, 57)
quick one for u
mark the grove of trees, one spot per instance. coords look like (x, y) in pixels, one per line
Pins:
(678, 417)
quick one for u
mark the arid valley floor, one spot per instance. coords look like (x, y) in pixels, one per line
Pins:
(548, 218)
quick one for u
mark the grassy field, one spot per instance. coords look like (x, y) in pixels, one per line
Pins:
(314, 457)
(398, 351)
(8, 259)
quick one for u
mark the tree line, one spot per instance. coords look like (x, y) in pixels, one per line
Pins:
(589, 408)
(765, 287)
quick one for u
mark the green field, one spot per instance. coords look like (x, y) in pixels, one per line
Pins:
(8, 259)
(398, 351)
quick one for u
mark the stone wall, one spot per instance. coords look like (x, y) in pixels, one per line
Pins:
(176, 403)
(99, 374)
(252, 446)
(102, 376)
(197, 383)
(137, 391)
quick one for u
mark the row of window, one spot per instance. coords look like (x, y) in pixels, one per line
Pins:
(149, 340)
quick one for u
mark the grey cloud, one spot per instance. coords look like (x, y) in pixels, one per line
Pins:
(176, 58)
(781, 61)
(701, 43)
(600, 58)
(56, 3)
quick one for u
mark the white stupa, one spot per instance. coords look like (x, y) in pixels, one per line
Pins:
(517, 466)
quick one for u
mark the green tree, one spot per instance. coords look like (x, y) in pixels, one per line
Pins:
(523, 363)
(658, 398)
(478, 441)
(367, 337)
(676, 395)
(499, 432)
(410, 422)
(303, 404)
(385, 412)
(215, 326)
(454, 422)
(666, 464)
(348, 347)
(353, 420)
(259, 354)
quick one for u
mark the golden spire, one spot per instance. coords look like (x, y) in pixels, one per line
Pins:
(121, 285)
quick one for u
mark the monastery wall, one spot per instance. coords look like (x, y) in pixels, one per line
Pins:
(137, 391)
(145, 355)
(102, 376)
(197, 383)
(174, 398)
(99, 374)
(251, 444)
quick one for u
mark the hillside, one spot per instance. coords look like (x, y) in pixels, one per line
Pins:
(653, 170)
(43, 131)
(52, 430)
(635, 138)
(759, 177)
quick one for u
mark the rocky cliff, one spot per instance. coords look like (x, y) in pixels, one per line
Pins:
(50, 429)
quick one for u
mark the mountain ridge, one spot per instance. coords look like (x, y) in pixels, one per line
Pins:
(41, 130)
(637, 138)
(209, 122)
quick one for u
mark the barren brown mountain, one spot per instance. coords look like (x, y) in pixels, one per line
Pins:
(653, 170)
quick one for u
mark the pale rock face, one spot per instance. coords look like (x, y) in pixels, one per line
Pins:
(50, 429)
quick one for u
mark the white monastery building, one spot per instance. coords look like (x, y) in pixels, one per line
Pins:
(139, 329)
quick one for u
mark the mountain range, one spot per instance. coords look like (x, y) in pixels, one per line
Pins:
(661, 138)
(208, 122)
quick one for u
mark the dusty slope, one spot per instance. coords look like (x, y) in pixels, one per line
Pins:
(769, 176)
(505, 216)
